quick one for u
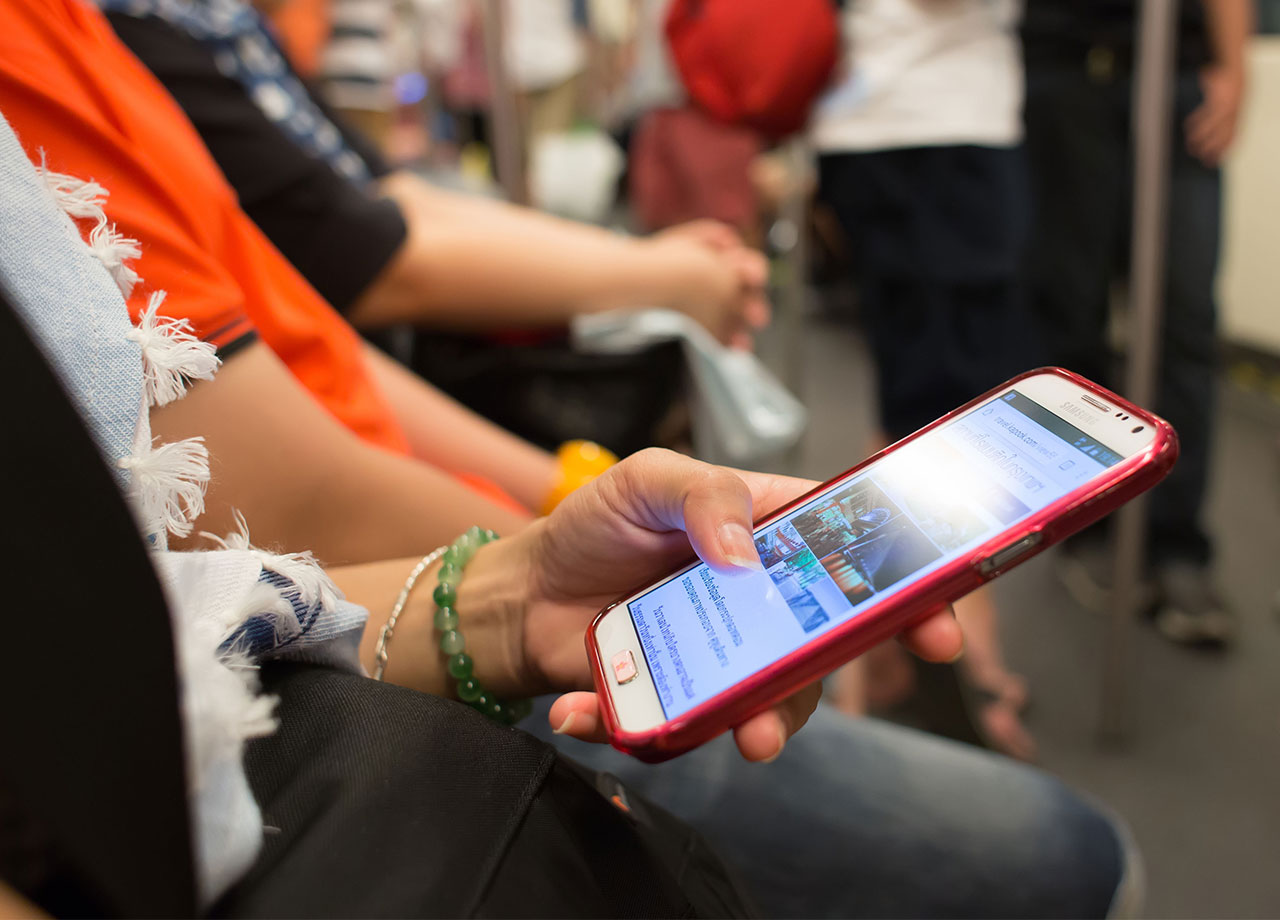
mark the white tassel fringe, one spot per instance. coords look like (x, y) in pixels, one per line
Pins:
(264, 601)
(303, 569)
(112, 248)
(169, 483)
(84, 198)
(171, 355)
(220, 697)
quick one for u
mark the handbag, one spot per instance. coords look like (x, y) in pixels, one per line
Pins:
(393, 803)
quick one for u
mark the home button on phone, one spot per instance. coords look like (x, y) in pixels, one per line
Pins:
(1011, 553)
(624, 667)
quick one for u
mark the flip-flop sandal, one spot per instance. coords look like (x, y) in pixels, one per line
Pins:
(1019, 702)
(948, 706)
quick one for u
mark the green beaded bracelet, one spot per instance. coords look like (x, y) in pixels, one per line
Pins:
(452, 643)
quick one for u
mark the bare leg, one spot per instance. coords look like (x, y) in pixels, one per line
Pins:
(1001, 693)
(983, 661)
(847, 689)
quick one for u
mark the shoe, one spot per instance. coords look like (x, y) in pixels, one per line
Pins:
(1086, 569)
(1001, 729)
(1189, 610)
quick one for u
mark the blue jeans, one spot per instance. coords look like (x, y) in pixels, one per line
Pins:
(860, 818)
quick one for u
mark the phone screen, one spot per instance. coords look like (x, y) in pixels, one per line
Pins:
(860, 542)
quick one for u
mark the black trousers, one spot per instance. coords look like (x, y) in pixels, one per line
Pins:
(936, 237)
(1080, 157)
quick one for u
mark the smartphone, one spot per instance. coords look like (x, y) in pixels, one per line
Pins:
(861, 557)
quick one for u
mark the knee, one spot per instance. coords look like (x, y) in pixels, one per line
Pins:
(1020, 842)
(1072, 858)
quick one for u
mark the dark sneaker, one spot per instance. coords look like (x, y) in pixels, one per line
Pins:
(1189, 610)
(1086, 569)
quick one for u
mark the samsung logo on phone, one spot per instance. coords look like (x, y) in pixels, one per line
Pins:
(1078, 412)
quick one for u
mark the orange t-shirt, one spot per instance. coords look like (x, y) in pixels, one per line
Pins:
(303, 28)
(72, 91)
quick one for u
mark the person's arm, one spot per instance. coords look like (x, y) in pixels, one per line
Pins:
(524, 601)
(424, 255)
(14, 906)
(337, 232)
(450, 436)
(303, 481)
(474, 263)
(1211, 128)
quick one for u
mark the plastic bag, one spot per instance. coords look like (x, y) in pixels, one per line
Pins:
(741, 412)
(575, 173)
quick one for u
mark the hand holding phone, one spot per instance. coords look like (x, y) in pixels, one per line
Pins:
(873, 552)
(528, 599)
(633, 523)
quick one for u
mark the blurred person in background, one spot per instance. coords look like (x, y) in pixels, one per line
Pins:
(1080, 58)
(303, 28)
(357, 64)
(544, 56)
(683, 164)
(466, 93)
(715, 85)
(919, 161)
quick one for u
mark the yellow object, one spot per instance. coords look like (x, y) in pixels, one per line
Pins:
(580, 462)
(474, 164)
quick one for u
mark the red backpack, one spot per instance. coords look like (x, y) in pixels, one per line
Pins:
(758, 63)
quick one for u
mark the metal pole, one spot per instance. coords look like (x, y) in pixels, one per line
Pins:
(1152, 126)
(795, 293)
(504, 118)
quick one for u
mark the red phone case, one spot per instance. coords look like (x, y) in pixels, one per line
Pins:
(811, 661)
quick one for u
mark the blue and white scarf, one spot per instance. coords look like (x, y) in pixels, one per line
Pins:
(231, 607)
(245, 51)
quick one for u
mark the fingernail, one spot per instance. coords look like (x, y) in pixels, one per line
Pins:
(782, 741)
(738, 547)
(565, 725)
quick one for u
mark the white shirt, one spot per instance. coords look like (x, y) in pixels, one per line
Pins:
(654, 83)
(924, 73)
(543, 48)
